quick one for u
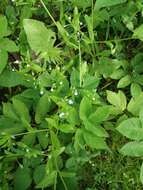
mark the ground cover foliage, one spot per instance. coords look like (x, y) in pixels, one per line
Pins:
(71, 99)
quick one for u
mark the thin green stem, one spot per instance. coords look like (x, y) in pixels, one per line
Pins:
(114, 40)
(80, 64)
(48, 12)
(30, 132)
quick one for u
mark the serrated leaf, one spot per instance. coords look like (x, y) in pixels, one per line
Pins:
(117, 99)
(132, 149)
(131, 128)
(22, 179)
(42, 108)
(123, 82)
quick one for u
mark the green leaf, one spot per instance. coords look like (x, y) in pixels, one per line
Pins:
(135, 90)
(3, 26)
(81, 4)
(21, 109)
(141, 116)
(107, 3)
(22, 179)
(135, 105)
(75, 80)
(97, 130)
(3, 60)
(94, 141)
(39, 173)
(43, 139)
(48, 180)
(39, 37)
(132, 149)
(131, 128)
(9, 126)
(100, 115)
(78, 140)
(9, 111)
(11, 79)
(85, 108)
(8, 45)
(123, 82)
(117, 99)
(55, 141)
(42, 108)
(138, 33)
(141, 173)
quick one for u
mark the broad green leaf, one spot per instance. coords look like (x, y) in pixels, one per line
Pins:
(43, 139)
(21, 110)
(135, 89)
(39, 37)
(3, 26)
(29, 139)
(107, 3)
(48, 180)
(132, 149)
(131, 128)
(117, 74)
(39, 173)
(94, 141)
(9, 126)
(95, 129)
(43, 106)
(138, 33)
(123, 82)
(74, 79)
(81, 4)
(117, 99)
(78, 140)
(136, 104)
(141, 173)
(85, 108)
(100, 115)
(3, 60)
(8, 45)
(9, 111)
(11, 79)
(66, 128)
(22, 179)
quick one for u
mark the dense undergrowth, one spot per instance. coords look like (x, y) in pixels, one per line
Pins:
(71, 99)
